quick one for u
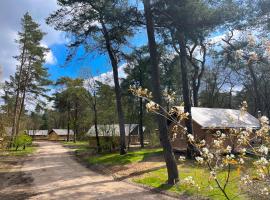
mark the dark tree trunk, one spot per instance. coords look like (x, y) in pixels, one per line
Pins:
(186, 91)
(120, 113)
(172, 170)
(20, 114)
(15, 121)
(257, 100)
(76, 122)
(96, 122)
(68, 123)
(141, 124)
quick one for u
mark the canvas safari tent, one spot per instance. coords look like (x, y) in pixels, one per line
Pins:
(112, 130)
(38, 134)
(206, 121)
(60, 134)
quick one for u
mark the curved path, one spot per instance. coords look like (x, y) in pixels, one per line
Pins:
(56, 175)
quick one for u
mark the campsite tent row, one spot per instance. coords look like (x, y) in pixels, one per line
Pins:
(206, 121)
(54, 134)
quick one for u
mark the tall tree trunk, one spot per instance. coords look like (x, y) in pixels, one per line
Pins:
(120, 113)
(68, 123)
(15, 121)
(141, 113)
(96, 122)
(186, 91)
(172, 170)
(257, 100)
(141, 124)
(20, 113)
(76, 122)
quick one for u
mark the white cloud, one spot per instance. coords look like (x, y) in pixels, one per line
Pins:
(107, 77)
(50, 58)
(11, 12)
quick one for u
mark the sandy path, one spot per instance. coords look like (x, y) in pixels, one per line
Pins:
(56, 175)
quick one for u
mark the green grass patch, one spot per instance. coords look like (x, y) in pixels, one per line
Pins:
(158, 178)
(116, 159)
(79, 146)
(19, 152)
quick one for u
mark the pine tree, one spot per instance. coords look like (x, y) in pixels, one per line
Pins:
(30, 76)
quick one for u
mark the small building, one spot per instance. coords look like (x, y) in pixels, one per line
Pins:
(60, 134)
(112, 130)
(206, 121)
(38, 134)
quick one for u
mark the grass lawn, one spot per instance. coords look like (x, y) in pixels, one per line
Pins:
(79, 146)
(158, 178)
(19, 152)
(112, 159)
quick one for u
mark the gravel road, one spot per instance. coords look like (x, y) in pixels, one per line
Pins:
(55, 174)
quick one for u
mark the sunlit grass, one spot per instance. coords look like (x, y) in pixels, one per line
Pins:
(20, 152)
(117, 159)
(208, 188)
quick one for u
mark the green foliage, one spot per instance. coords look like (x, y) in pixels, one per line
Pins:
(22, 140)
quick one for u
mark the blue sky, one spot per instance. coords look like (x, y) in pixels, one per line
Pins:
(55, 40)
(99, 63)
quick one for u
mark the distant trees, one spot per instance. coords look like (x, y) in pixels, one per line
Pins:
(31, 76)
(69, 101)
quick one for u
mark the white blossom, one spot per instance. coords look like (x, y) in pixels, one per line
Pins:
(190, 137)
(229, 149)
(263, 149)
(199, 159)
(182, 158)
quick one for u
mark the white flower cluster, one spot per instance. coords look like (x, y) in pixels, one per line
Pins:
(152, 106)
(246, 179)
(263, 149)
(190, 137)
(188, 181)
(261, 162)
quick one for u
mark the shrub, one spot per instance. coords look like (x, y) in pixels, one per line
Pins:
(22, 140)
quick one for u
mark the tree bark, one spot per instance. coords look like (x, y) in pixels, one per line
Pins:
(185, 88)
(95, 123)
(141, 124)
(120, 113)
(257, 100)
(172, 170)
(68, 123)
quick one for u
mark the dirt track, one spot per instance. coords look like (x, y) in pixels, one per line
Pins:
(52, 173)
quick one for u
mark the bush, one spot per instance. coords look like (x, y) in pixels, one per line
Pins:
(22, 140)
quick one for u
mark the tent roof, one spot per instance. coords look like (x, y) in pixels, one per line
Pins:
(112, 130)
(223, 118)
(62, 131)
(37, 132)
